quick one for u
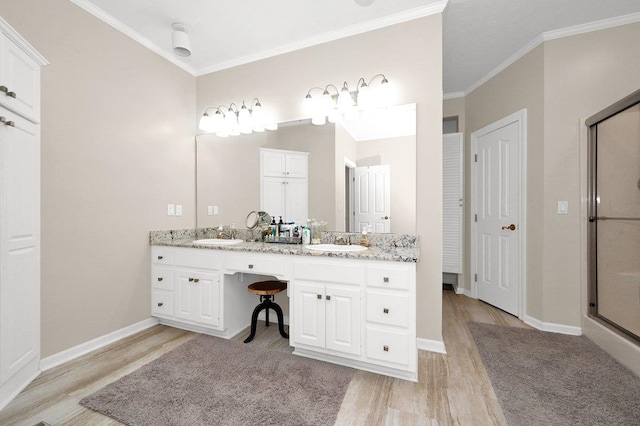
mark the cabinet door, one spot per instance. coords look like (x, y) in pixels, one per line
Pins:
(309, 314)
(296, 204)
(272, 198)
(21, 76)
(296, 165)
(19, 244)
(273, 163)
(197, 297)
(343, 319)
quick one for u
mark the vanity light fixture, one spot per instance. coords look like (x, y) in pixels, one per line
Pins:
(344, 103)
(233, 121)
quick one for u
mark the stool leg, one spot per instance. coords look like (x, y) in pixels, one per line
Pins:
(278, 310)
(254, 322)
(266, 311)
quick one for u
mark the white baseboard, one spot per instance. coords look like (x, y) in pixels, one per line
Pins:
(551, 327)
(431, 345)
(97, 343)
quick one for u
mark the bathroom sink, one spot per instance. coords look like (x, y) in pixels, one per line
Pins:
(336, 247)
(218, 242)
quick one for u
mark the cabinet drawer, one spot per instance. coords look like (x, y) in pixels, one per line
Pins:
(388, 276)
(388, 308)
(161, 303)
(162, 255)
(328, 271)
(162, 278)
(256, 265)
(197, 258)
(388, 346)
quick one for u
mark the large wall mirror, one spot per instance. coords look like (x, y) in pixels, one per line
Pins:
(362, 166)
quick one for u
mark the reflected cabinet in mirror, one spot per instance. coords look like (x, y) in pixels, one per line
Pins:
(359, 173)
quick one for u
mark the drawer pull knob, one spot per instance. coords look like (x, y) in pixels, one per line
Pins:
(328, 297)
(160, 278)
(250, 266)
(4, 89)
(385, 310)
(2, 119)
(160, 257)
(385, 348)
(160, 304)
(196, 280)
(190, 280)
(10, 124)
(319, 296)
(385, 279)
(11, 94)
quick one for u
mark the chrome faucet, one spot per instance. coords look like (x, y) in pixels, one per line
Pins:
(342, 240)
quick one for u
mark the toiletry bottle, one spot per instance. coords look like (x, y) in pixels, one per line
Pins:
(364, 239)
(280, 223)
(274, 227)
(306, 235)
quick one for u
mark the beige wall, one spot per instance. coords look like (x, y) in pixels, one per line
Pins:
(117, 147)
(281, 83)
(345, 148)
(519, 86)
(456, 107)
(399, 154)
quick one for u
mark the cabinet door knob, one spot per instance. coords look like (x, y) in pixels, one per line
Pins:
(385, 279)
(11, 94)
(328, 297)
(10, 124)
(160, 304)
(160, 278)
(319, 296)
(196, 280)
(385, 348)
(160, 257)
(4, 89)
(385, 310)
(190, 280)
(250, 266)
(2, 119)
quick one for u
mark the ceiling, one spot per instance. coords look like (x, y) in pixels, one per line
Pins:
(478, 35)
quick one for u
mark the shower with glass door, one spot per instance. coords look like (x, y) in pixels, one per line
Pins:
(614, 216)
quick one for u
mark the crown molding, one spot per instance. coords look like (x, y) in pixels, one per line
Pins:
(554, 35)
(453, 95)
(15, 37)
(128, 31)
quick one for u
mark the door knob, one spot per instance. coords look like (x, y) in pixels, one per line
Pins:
(385, 217)
(511, 227)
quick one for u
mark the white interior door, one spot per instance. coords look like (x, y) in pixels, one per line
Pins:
(373, 198)
(497, 219)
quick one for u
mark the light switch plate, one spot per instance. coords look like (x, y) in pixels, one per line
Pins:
(215, 211)
(209, 210)
(171, 210)
(178, 209)
(563, 207)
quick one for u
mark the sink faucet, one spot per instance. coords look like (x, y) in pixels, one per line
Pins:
(343, 241)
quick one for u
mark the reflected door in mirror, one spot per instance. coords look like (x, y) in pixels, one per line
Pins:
(373, 195)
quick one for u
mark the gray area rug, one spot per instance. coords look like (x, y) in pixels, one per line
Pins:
(553, 379)
(212, 381)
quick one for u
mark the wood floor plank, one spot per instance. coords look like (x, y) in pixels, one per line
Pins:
(453, 388)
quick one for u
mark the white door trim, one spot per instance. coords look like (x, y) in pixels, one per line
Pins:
(521, 118)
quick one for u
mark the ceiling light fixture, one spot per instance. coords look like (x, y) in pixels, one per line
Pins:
(180, 40)
(233, 121)
(344, 103)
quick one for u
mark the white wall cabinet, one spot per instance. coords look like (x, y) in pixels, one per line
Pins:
(284, 184)
(19, 213)
(359, 313)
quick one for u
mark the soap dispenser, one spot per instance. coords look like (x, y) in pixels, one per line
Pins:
(364, 239)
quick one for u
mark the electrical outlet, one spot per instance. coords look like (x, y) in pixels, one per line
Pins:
(171, 210)
(178, 209)
(209, 210)
(563, 207)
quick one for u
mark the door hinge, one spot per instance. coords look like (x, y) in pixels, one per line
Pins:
(476, 158)
(475, 277)
(476, 217)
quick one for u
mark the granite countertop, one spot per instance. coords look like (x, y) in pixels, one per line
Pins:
(390, 247)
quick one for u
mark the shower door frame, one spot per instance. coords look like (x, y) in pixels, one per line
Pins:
(592, 288)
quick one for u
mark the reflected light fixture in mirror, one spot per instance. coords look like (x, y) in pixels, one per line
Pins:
(322, 105)
(233, 121)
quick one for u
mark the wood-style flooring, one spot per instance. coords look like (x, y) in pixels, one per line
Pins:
(453, 389)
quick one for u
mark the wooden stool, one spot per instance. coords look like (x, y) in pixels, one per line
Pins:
(267, 291)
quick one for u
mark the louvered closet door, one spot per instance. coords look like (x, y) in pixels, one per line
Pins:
(452, 202)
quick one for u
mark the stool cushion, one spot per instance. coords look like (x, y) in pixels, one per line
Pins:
(265, 288)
